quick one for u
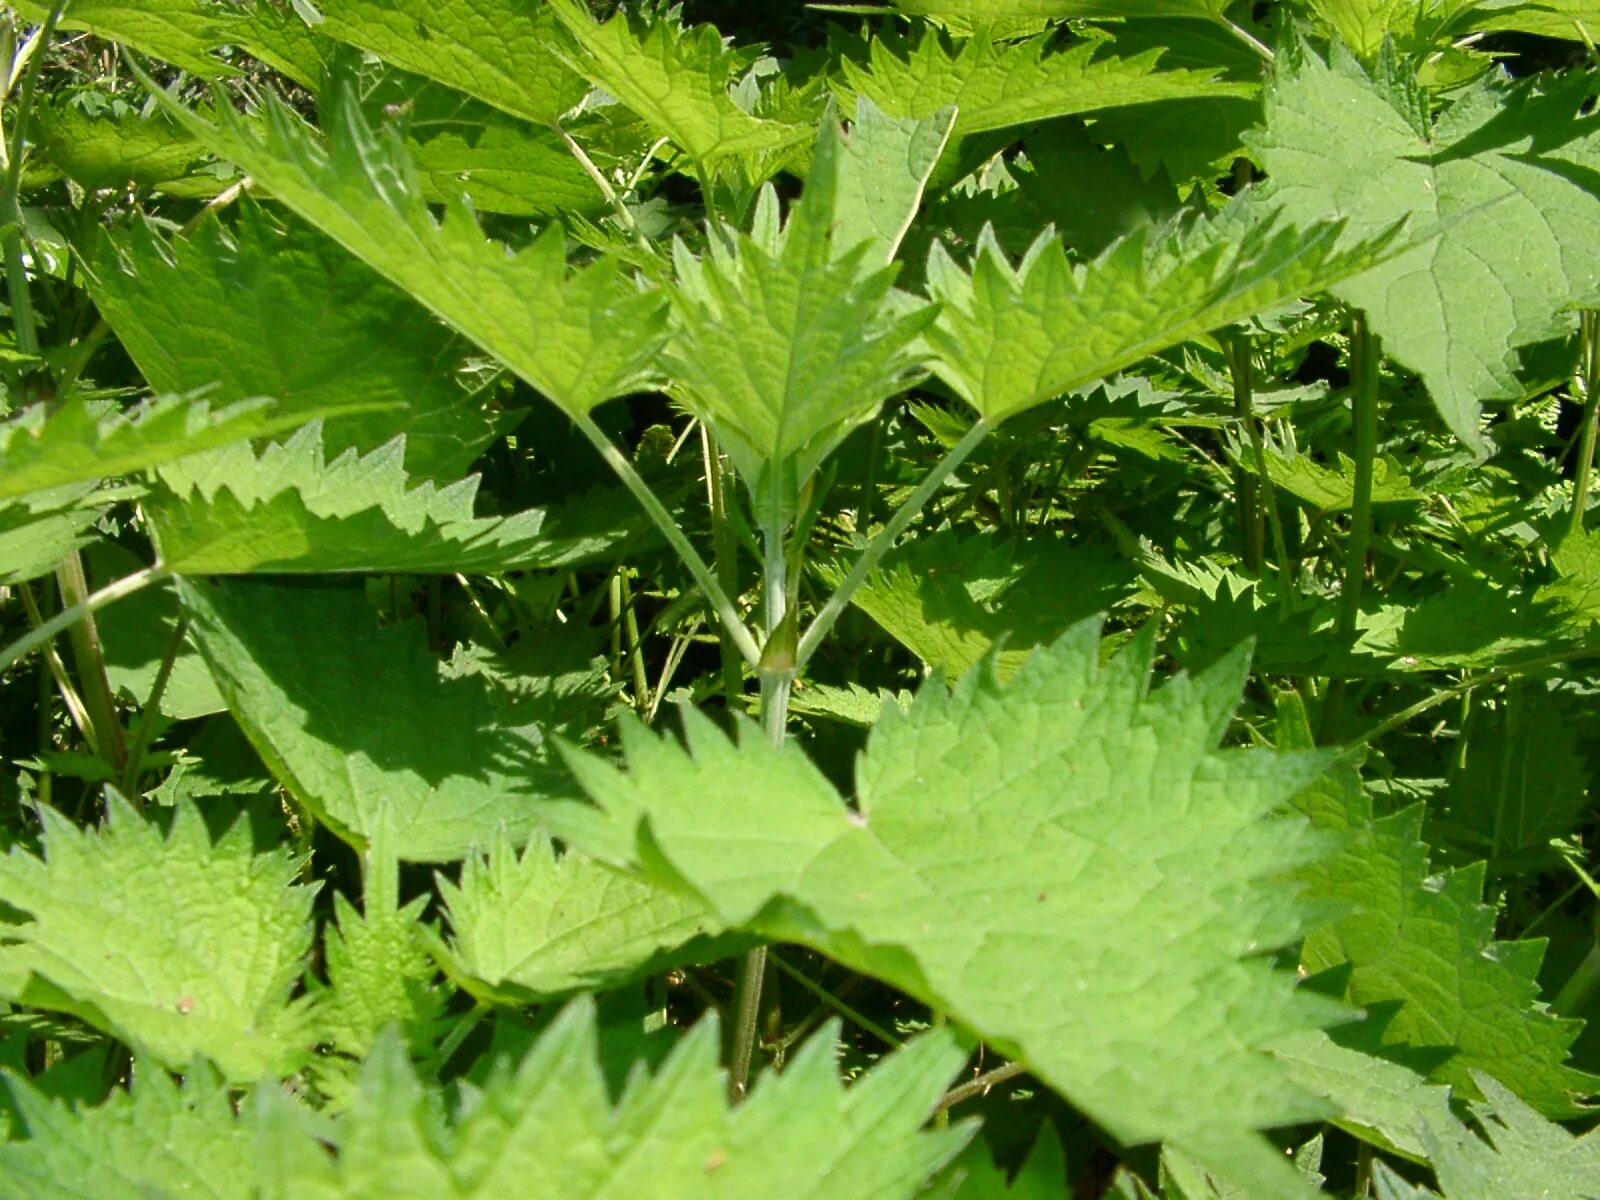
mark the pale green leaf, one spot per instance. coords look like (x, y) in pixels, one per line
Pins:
(258, 310)
(177, 945)
(1120, 959)
(497, 50)
(995, 85)
(548, 925)
(1498, 181)
(580, 337)
(83, 440)
(678, 80)
(158, 1141)
(378, 971)
(1423, 943)
(1513, 1151)
(1574, 20)
(188, 33)
(235, 512)
(884, 166)
(1009, 338)
(364, 726)
(549, 1128)
(785, 339)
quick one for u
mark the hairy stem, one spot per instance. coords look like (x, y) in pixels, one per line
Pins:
(90, 660)
(68, 617)
(837, 1002)
(884, 539)
(981, 1084)
(1589, 369)
(777, 678)
(23, 320)
(1366, 352)
(676, 538)
(148, 715)
(724, 555)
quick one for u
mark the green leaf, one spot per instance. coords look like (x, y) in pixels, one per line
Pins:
(157, 1141)
(1043, 1176)
(966, 15)
(787, 338)
(499, 51)
(678, 80)
(378, 972)
(38, 531)
(1521, 781)
(1423, 943)
(188, 33)
(1364, 24)
(501, 164)
(259, 310)
(177, 945)
(951, 599)
(1502, 182)
(1376, 1100)
(82, 440)
(548, 925)
(1009, 338)
(549, 1128)
(136, 634)
(1574, 20)
(364, 726)
(233, 512)
(125, 150)
(1120, 958)
(995, 85)
(1513, 1151)
(580, 337)
(1324, 490)
(884, 167)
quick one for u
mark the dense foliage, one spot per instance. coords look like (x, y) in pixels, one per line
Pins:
(952, 598)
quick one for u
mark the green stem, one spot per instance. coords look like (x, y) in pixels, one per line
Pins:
(883, 540)
(147, 716)
(1585, 981)
(58, 672)
(1406, 715)
(1366, 352)
(777, 678)
(1251, 527)
(1590, 370)
(458, 1034)
(630, 629)
(1242, 368)
(838, 1004)
(676, 538)
(724, 557)
(980, 1085)
(606, 190)
(90, 660)
(23, 319)
(67, 617)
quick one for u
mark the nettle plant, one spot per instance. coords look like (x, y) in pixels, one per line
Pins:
(951, 599)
